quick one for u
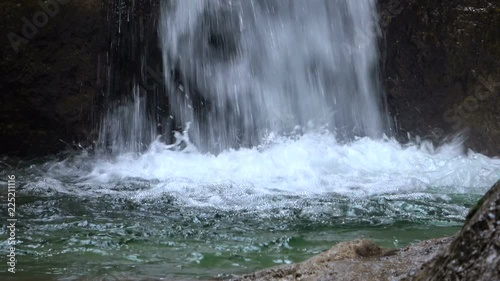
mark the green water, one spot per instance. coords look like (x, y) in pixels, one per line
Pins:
(70, 237)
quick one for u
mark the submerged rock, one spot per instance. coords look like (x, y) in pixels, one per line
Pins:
(475, 253)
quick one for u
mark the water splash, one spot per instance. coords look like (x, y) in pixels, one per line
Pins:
(280, 171)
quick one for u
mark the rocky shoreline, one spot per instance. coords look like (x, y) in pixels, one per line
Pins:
(472, 254)
(360, 260)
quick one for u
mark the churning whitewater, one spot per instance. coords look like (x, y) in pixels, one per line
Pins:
(279, 173)
(175, 210)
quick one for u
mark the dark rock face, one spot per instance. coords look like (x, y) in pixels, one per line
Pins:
(65, 62)
(48, 73)
(440, 65)
(475, 253)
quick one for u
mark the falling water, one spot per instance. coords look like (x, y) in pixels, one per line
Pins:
(238, 69)
(127, 127)
(131, 106)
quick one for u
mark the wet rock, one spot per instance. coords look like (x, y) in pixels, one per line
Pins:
(475, 253)
(440, 69)
(64, 63)
(219, 38)
(356, 260)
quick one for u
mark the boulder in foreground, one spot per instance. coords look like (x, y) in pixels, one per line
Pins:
(475, 253)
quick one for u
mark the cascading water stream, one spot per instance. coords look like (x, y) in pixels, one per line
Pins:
(238, 69)
(243, 74)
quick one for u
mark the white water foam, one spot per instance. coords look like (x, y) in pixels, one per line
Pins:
(308, 166)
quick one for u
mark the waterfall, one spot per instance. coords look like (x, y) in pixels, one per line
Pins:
(132, 105)
(237, 69)
(290, 83)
